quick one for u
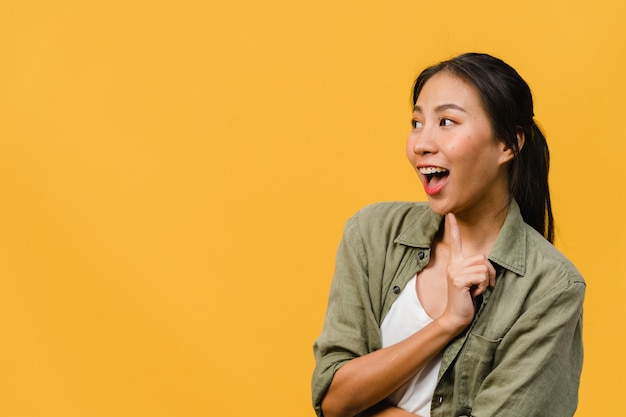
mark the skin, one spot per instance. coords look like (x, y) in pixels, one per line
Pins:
(452, 131)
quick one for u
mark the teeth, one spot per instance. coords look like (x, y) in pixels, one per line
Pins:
(431, 170)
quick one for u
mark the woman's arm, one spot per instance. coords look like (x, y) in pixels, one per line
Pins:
(366, 380)
(385, 409)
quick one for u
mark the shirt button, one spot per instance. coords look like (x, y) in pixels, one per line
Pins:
(396, 290)
(421, 255)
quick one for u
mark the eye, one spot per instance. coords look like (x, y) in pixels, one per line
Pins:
(416, 124)
(445, 122)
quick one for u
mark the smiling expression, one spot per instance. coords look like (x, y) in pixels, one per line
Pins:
(459, 160)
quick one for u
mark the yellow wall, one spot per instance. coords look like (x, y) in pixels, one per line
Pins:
(175, 175)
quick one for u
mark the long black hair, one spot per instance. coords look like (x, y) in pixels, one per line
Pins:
(508, 102)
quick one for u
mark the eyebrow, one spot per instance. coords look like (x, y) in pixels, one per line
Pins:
(442, 107)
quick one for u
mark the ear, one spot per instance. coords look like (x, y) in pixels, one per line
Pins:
(521, 139)
(507, 151)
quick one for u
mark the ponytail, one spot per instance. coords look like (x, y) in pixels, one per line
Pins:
(528, 182)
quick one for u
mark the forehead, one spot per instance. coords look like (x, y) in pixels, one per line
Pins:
(445, 88)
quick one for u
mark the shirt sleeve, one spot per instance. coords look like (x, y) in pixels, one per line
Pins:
(537, 365)
(350, 328)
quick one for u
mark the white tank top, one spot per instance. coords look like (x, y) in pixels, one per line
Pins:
(406, 317)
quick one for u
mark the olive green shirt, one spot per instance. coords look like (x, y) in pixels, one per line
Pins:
(522, 354)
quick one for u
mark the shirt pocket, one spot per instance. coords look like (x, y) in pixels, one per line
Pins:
(475, 363)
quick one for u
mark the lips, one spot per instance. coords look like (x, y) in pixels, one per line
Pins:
(434, 178)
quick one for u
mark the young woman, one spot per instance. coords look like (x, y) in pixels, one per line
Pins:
(460, 306)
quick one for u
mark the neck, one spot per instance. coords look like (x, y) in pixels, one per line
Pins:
(479, 230)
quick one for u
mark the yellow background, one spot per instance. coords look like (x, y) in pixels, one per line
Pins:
(175, 176)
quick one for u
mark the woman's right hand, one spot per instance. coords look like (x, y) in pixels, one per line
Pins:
(364, 381)
(467, 278)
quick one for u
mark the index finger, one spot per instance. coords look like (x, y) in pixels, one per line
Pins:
(456, 249)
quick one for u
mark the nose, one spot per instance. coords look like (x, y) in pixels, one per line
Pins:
(422, 141)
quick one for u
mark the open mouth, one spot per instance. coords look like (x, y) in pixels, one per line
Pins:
(435, 178)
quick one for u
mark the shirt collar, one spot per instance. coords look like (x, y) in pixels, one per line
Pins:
(509, 249)
(420, 227)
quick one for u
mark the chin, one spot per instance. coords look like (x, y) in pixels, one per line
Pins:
(438, 208)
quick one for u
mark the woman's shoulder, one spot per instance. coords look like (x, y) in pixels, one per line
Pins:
(524, 251)
(545, 258)
(409, 223)
(392, 210)
(393, 214)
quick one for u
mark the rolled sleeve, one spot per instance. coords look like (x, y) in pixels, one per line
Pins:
(350, 329)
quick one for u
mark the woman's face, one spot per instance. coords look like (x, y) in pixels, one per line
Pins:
(459, 160)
